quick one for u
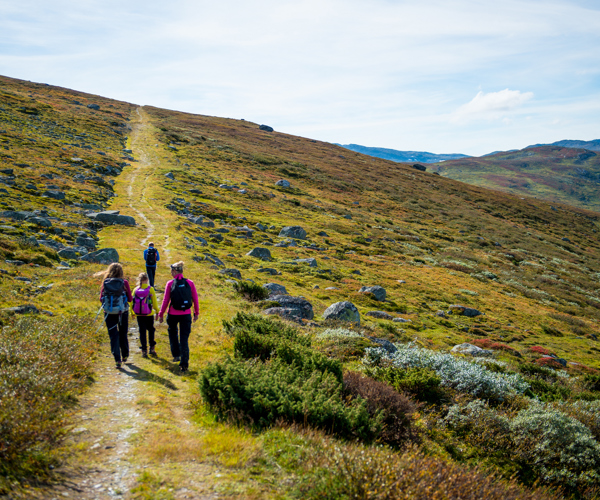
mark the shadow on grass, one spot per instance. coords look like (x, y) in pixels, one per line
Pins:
(145, 376)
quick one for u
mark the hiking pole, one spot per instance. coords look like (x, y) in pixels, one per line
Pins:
(96, 317)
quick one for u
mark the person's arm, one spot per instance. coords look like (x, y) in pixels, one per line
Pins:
(131, 304)
(101, 291)
(166, 300)
(145, 254)
(157, 256)
(128, 291)
(195, 299)
(154, 301)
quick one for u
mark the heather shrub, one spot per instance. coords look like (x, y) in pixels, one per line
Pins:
(358, 472)
(43, 366)
(422, 383)
(343, 344)
(592, 382)
(262, 394)
(263, 326)
(251, 291)
(396, 409)
(455, 373)
(587, 412)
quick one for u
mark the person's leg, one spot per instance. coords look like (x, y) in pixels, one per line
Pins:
(172, 322)
(112, 325)
(141, 321)
(185, 327)
(123, 331)
(151, 330)
(150, 271)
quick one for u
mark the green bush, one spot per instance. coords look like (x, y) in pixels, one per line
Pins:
(592, 382)
(43, 366)
(423, 383)
(251, 291)
(262, 394)
(264, 326)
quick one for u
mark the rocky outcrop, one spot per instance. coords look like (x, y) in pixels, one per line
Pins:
(112, 217)
(377, 291)
(291, 307)
(102, 256)
(379, 315)
(233, 273)
(472, 350)
(260, 253)
(296, 232)
(342, 311)
(458, 310)
(275, 289)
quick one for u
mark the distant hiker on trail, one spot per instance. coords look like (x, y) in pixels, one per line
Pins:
(151, 257)
(142, 307)
(180, 295)
(115, 296)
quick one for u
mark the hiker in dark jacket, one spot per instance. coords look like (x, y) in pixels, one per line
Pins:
(115, 296)
(180, 296)
(151, 257)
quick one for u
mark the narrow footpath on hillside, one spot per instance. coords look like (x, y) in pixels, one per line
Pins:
(124, 418)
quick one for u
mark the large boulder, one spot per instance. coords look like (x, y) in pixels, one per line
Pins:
(234, 273)
(471, 350)
(260, 253)
(342, 311)
(283, 183)
(296, 306)
(377, 291)
(266, 128)
(86, 242)
(293, 232)
(102, 256)
(469, 312)
(40, 221)
(312, 262)
(112, 217)
(67, 253)
(24, 309)
(54, 194)
(275, 289)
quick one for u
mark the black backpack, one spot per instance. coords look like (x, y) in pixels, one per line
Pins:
(114, 298)
(181, 295)
(151, 257)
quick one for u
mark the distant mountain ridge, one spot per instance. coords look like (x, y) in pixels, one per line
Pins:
(402, 156)
(590, 145)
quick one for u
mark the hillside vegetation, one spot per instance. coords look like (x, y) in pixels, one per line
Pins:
(555, 173)
(301, 407)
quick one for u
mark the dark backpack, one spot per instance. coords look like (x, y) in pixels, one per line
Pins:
(151, 257)
(181, 295)
(114, 298)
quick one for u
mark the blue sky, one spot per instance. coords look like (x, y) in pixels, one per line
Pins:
(447, 76)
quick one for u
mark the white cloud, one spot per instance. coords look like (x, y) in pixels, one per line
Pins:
(491, 106)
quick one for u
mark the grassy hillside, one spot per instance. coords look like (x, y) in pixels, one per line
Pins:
(197, 186)
(557, 174)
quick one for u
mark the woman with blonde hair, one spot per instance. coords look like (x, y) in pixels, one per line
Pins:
(180, 295)
(115, 296)
(144, 307)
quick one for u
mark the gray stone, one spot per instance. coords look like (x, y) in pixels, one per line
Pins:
(206, 223)
(67, 253)
(170, 176)
(234, 273)
(275, 289)
(379, 315)
(268, 270)
(441, 314)
(260, 227)
(102, 256)
(417, 166)
(293, 232)
(260, 253)
(312, 262)
(342, 311)
(110, 217)
(472, 350)
(401, 320)
(377, 291)
(283, 183)
(386, 344)
(464, 311)
(54, 194)
(323, 233)
(53, 244)
(40, 221)
(216, 237)
(93, 106)
(201, 240)
(222, 230)
(266, 128)
(86, 242)
(24, 309)
(302, 307)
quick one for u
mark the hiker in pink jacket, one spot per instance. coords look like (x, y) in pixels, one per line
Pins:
(180, 296)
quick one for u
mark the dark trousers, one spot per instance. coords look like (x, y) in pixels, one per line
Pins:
(179, 343)
(118, 325)
(146, 324)
(151, 271)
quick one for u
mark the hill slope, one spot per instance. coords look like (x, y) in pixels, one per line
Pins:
(203, 189)
(589, 145)
(402, 156)
(553, 173)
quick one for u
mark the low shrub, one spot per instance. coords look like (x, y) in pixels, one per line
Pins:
(592, 382)
(553, 332)
(455, 373)
(490, 344)
(396, 409)
(345, 348)
(261, 394)
(537, 349)
(422, 383)
(546, 391)
(534, 370)
(263, 326)
(549, 363)
(43, 366)
(587, 412)
(251, 291)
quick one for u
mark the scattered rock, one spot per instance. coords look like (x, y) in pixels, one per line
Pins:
(293, 232)
(40, 221)
(441, 314)
(312, 262)
(417, 166)
(377, 291)
(295, 306)
(323, 233)
(275, 289)
(283, 183)
(472, 350)
(260, 253)
(266, 128)
(67, 253)
(24, 309)
(201, 240)
(102, 256)
(170, 176)
(93, 106)
(464, 311)
(86, 242)
(216, 237)
(379, 315)
(234, 273)
(268, 270)
(386, 344)
(343, 311)
(401, 320)
(112, 217)
(54, 194)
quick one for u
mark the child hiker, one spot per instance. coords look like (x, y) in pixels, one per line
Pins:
(180, 295)
(144, 307)
(115, 296)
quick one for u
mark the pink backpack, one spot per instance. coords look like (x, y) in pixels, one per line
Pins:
(142, 301)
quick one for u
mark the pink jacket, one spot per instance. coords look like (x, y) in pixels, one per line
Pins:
(167, 299)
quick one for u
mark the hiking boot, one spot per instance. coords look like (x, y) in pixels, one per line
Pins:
(176, 359)
(124, 359)
(144, 354)
(152, 352)
(183, 369)
(118, 365)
